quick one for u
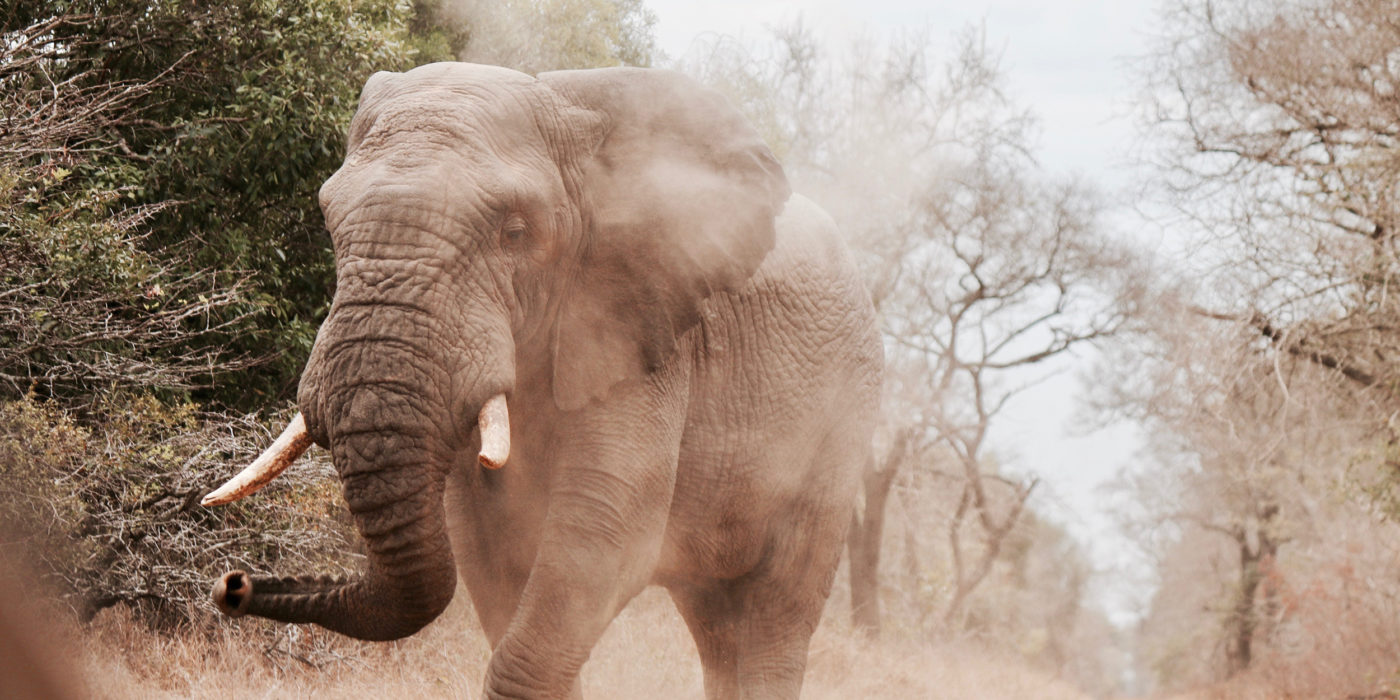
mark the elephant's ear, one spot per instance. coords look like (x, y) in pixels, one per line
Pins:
(679, 195)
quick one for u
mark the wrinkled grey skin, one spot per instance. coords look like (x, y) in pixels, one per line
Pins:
(690, 359)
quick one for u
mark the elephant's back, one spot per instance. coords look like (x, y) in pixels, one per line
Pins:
(800, 334)
(814, 301)
(784, 395)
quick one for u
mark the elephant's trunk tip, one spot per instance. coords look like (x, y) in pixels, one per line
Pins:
(494, 423)
(232, 592)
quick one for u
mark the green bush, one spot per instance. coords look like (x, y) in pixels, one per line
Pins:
(88, 304)
(181, 157)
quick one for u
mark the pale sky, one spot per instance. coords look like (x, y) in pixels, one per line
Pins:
(1066, 60)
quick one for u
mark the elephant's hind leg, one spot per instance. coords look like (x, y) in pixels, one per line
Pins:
(752, 634)
(713, 612)
(779, 621)
(783, 599)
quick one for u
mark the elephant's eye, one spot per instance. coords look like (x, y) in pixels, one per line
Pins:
(513, 231)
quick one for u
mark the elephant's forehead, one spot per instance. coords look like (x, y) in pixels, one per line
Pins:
(466, 117)
(460, 128)
(452, 95)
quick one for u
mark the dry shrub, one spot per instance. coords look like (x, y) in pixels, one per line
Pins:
(1330, 621)
(105, 506)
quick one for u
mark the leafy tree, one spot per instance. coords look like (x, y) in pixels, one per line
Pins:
(1279, 124)
(175, 150)
(1251, 508)
(1267, 379)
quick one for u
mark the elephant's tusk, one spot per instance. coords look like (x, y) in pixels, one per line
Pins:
(289, 445)
(494, 422)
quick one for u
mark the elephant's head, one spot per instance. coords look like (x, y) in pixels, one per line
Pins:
(492, 228)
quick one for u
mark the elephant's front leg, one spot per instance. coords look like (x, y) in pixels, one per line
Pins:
(600, 541)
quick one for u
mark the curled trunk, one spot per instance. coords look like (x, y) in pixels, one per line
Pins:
(390, 409)
(409, 578)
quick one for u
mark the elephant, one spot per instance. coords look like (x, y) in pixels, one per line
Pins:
(598, 283)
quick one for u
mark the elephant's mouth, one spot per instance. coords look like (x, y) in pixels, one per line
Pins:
(493, 421)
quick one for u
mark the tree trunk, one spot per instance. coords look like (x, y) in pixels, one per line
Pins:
(863, 545)
(1244, 617)
(1238, 647)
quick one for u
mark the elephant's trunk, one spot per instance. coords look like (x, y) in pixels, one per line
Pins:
(410, 575)
(386, 389)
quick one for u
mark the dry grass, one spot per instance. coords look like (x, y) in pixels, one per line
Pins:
(646, 653)
(1338, 636)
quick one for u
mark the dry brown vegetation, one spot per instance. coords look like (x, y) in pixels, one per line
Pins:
(646, 653)
(1265, 377)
